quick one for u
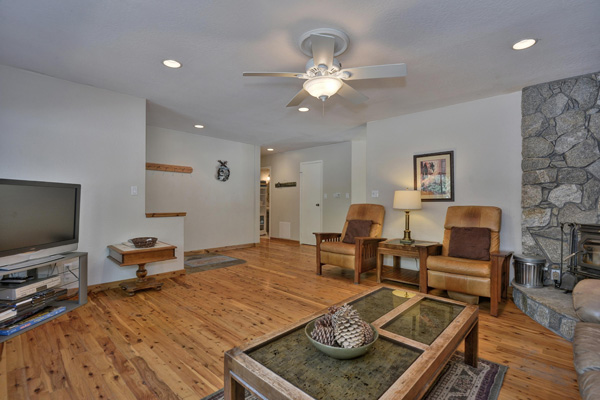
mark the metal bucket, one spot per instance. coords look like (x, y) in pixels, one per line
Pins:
(529, 271)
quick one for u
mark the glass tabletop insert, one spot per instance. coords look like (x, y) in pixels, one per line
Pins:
(425, 320)
(295, 359)
(375, 305)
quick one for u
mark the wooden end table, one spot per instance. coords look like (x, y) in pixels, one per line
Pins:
(419, 250)
(124, 255)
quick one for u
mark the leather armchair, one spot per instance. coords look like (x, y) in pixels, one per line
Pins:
(360, 256)
(469, 276)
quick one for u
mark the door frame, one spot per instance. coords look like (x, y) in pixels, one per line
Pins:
(320, 162)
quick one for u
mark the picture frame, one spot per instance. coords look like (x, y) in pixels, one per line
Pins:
(434, 176)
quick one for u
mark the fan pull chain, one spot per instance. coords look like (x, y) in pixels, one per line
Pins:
(323, 108)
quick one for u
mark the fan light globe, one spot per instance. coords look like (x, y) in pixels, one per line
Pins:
(323, 86)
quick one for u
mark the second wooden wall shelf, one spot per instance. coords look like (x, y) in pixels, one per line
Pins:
(169, 168)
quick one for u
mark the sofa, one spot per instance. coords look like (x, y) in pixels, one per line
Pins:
(586, 341)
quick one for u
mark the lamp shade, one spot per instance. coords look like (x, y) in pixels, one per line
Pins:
(407, 199)
(322, 86)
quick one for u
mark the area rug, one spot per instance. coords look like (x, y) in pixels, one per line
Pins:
(208, 261)
(457, 381)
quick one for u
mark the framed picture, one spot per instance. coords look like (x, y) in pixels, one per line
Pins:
(434, 176)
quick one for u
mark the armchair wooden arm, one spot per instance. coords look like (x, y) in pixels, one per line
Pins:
(324, 237)
(365, 255)
(501, 270)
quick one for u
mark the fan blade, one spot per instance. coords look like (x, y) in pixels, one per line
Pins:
(301, 95)
(279, 74)
(347, 92)
(322, 49)
(376, 71)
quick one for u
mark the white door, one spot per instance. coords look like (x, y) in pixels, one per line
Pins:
(311, 195)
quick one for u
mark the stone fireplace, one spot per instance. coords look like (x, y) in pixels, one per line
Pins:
(560, 128)
(561, 161)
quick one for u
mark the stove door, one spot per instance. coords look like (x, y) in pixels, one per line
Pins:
(590, 254)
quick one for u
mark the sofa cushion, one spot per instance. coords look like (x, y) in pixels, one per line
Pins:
(589, 385)
(586, 300)
(357, 228)
(460, 266)
(586, 347)
(471, 243)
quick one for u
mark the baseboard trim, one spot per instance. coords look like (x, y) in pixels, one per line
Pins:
(115, 285)
(290, 241)
(218, 249)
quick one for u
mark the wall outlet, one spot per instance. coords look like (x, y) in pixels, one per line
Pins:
(374, 193)
(337, 195)
(325, 196)
(134, 190)
(347, 195)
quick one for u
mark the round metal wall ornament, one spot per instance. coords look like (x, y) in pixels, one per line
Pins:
(223, 171)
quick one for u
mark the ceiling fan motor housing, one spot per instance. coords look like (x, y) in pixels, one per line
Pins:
(316, 70)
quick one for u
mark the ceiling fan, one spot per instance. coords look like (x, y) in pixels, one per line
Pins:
(324, 74)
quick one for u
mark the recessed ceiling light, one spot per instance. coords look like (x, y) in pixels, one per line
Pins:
(198, 126)
(303, 109)
(269, 149)
(172, 63)
(524, 44)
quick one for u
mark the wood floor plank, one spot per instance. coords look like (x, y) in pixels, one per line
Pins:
(169, 344)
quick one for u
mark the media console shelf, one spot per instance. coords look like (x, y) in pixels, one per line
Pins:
(72, 269)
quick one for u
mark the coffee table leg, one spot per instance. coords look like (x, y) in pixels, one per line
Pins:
(472, 346)
(379, 265)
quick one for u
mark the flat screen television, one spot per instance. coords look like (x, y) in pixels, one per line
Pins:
(37, 219)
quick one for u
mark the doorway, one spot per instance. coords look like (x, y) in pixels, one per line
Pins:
(311, 203)
(265, 201)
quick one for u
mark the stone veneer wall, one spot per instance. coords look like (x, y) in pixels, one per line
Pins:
(561, 161)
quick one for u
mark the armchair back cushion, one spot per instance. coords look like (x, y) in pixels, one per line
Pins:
(372, 212)
(473, 216)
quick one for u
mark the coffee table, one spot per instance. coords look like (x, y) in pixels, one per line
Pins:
(418, 333)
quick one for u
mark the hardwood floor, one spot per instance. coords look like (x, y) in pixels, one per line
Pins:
(170, 344)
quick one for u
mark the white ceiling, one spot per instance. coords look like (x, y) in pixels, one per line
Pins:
(455, 51)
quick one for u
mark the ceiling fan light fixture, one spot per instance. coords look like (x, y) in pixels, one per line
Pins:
(320, 86)
(304, 109)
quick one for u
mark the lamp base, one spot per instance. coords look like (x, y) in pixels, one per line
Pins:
(407, 239)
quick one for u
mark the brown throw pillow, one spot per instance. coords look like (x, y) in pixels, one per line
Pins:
(472, 243)
(357, 228)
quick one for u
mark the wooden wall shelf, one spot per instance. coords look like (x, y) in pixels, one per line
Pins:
(161, 215)
(169, 168)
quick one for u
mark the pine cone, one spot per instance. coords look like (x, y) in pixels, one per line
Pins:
(324, 335)
(325, 320)
(348, 327)
(368, 331)
(333, 309)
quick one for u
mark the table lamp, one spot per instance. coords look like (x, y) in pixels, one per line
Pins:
(407, 200)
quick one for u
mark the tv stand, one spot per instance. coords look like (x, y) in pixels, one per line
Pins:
(71, 267)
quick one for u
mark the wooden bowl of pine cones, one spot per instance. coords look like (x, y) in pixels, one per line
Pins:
(341, 333)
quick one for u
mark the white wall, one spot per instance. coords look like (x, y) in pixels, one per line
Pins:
(219, 213)
(359, 171)
(55, 130)
(285, 167)
(486, 139)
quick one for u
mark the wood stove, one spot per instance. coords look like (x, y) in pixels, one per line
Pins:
(583, 244)
(588, 251)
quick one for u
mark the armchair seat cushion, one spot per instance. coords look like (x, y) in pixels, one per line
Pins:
(460, 266)
(338, 248)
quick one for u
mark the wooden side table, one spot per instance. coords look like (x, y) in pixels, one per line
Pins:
(419, 250)
(124, 255)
